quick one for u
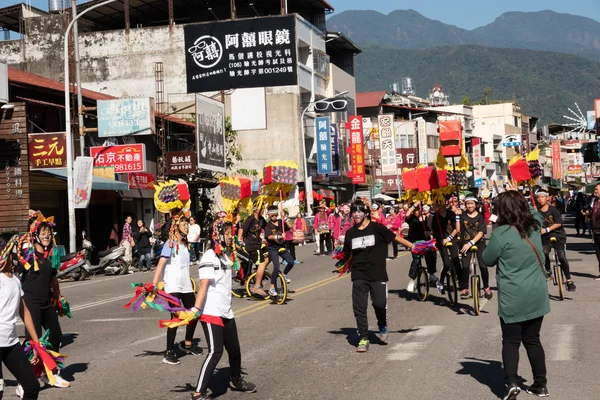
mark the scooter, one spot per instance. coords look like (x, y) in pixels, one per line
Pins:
(74, 265)
(111, 261)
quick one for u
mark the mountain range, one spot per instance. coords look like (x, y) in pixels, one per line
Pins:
(535, 58)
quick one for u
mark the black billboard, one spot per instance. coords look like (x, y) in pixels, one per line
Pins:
(257, 52)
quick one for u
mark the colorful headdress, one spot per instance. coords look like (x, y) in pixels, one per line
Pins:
(173, 198)
(11, 244)
(26, 243)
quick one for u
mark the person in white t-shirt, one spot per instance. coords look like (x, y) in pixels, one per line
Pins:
(193, 237)
(175, 263)
(213, 303)
(11, 306)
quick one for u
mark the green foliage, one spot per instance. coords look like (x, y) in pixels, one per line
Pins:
(467, 101)
(544, 84)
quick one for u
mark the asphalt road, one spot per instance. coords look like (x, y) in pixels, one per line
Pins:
(305, 348)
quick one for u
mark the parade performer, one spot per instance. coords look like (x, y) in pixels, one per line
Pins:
(274, 235)
(342, 225)
(252, 244)
(213, 305)
(39, 262)
(12, 305)
(174, 265)
(365, 250)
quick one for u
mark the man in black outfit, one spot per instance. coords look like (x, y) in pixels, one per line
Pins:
(367, 243)
(444, 227)
(258, 254)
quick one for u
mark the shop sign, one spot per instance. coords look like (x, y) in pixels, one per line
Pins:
(210, 131)
(574, 169)
(254, 52)
(556, 163)
(47, 150)
(10, 160)
(124, 117)
(181, 162)
(3, 83)
(477, 179)
(125, 158)
(335, 151)
(141, 180)
(387, 144)
(357, 149)
(406, 158)
(323, 136)
(84, 173)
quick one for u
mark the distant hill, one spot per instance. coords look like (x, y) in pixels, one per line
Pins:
(407, 29)
(544, 83)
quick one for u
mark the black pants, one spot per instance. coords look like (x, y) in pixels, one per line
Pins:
(360, 296)
(450, 259)
(430, 261)
(187, 300)
(15, 360)
(395, 248)
(597, 243)
(528, 333)
(483, 269)
(580, 222)
(275, 253)
(291, 248)
(46, 319)
(562, 258)
(217, 338)
(325, 240)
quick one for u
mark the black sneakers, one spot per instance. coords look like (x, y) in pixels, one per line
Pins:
(243, 386)
(171, 358)
(539, 391)
(512, 391)
(571, 286)
(192, 349)
(200, 396)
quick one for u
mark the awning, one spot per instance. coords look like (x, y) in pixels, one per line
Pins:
(98, 183)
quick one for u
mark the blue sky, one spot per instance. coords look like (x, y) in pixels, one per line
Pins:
(466, 14)
(471, 14)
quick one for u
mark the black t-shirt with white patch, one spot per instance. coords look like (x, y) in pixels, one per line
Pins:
(369, 248)
(252, 229)
(552, 216)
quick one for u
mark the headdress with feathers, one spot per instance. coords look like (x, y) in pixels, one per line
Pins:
(30, 238)
(173, 198)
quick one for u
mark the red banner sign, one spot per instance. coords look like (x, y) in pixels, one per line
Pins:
(406, 158)
(357, 149)
(125, 158)
(47, 150)
(574, 169)
(556, 164)
(141, 180)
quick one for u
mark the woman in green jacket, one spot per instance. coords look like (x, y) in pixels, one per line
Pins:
(516, 248)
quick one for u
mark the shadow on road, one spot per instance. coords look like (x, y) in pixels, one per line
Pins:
(353, 338)
(584, 275)
(219, 383)
(487, 372)
(68, 338)
(459, 309)
(70, 370)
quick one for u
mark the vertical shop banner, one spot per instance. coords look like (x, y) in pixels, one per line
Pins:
(308, 192)
(556, 163)
(210, 131)
(124, 117)
(323, 135)
(422, 140)
(357, 149)
(84, 173)
(335, 151)
(47, 150)
(477, 179)
(245, 53)
(387, 144)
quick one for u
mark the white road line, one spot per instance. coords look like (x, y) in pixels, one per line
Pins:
(91, 282)
(121, 319)
(562, 342)
(101, 302)
(414, 342)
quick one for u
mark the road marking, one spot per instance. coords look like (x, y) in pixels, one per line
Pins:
(100, 302)
(78, 284)
(120, 319)
(414, 342)
(563, 340)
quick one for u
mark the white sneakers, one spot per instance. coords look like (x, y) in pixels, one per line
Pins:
(59, 382)
(411, 286)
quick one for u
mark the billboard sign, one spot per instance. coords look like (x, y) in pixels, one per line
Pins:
(323, 137)
(210, 131)
(124, 117)
(477, 179)
(556, 163)
(125, 158)
(181, 162)
(357, 149)
(591, 120)
(47, 150)
(335, 151)
(387, 144)
(141, 180)
(243, 53)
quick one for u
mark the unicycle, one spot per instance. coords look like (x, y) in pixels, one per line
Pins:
(422, 281)
(280, 286)
(450, 280)
(475, 280)
(558, 277)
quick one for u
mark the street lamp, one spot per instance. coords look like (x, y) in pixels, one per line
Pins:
(305, 163)
(70, 183)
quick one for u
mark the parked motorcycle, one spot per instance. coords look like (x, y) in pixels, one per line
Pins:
(111, 261)
(74, 265)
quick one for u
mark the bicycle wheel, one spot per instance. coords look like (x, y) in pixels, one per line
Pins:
(281, 287)
(194, 285)
(451, 288)
(238, 285)
(475, 291)
(251, 281)
(559, 282)
(422, 284)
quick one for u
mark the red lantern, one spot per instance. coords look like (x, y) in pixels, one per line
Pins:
(451, 138)
(427, 179)
(520, 171)
(409, 180)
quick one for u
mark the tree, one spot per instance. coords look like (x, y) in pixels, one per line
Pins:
(488, 90)
(234, 150)
(466, 101)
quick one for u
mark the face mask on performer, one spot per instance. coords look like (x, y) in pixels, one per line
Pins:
(359, 211)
